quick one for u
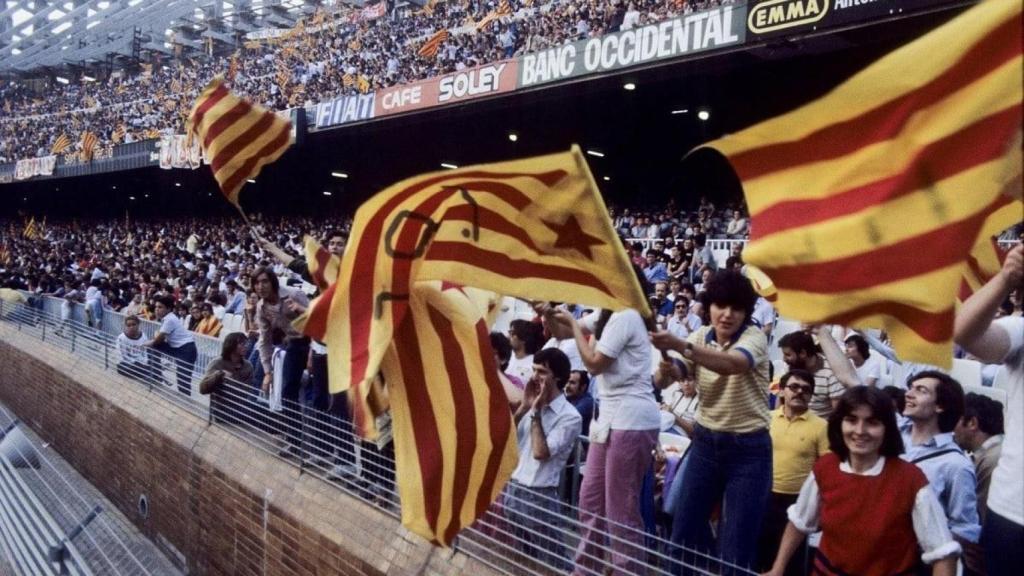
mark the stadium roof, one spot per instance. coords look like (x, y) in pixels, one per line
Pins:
(79, 35)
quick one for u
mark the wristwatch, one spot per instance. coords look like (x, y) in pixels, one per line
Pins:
(687, 349)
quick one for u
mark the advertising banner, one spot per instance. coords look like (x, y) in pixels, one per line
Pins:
(789, 17)
(486, 80)
(689, 34)
(175, 152)
(25, 169)
(344, 109)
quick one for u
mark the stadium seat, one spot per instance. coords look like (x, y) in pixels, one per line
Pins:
(966, 372)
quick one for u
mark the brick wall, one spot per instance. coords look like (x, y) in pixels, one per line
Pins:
(220, 504)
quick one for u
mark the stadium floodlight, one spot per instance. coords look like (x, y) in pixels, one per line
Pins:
(327, 192)
(703, 114)
(513, 137)
(61, 79)
(629, 86)
(131, 198)
(176, 185)
(607, 178)
(87, 78)
(680, 111)
(251, 181)
(595, 153)
(339, 174)
(448, 166)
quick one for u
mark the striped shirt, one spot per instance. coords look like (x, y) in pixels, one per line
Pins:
(826, 388)
(736, 403)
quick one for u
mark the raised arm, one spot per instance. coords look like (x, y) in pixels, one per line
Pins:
(973, 329)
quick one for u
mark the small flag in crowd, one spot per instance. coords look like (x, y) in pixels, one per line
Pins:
(5, 255)
(433, 44)
(239, 138)
(486, 21)
(89, 141)
(31, 231)
(348, 80)
(866, 203)
(363, 84)
(232, 67)
(504, 8)
(60, 144)
(118, 135)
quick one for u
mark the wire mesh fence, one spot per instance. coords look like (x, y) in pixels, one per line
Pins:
(525, 531)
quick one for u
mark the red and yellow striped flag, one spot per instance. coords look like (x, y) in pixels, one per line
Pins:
(455, 446)
(118, 135)
(31, 231)
(239, 138)
(60, 144)
(535, 228)
(504, 8)
(486, 21)
(986, 258)
(866, 203)
(433, 44)
(89, 141)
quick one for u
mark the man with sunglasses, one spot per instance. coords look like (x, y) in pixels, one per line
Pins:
(799, 437)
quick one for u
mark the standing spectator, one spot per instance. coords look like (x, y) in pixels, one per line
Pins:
(173, 339)
(524, 337)
(547, 427)
(277, 308)
(934, 405)
(621, 439)
(980, 432)
(867, 365)
(799, 438)
(94, 303)
(875, 511)
(654, 269)
(800, 352)
(730, 454)
(131, 347)
(1001, 341)
(577, 392)
(228, 399)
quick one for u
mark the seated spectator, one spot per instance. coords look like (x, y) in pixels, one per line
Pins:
(654, 269)
(683, 322)
(577, 392)
(679, 405)
(228, 399)
(547, 427)
(131, 348)
(235, 298)
(195, 317)
(209, 324)
(875, 511)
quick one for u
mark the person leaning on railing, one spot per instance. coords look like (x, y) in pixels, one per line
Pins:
(228, 399)
(173, 339)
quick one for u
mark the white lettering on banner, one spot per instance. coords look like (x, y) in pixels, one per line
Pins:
(344, 109)
(549, 65)
(779, 14)
(29, 167)
(844, 4)
(402, 97)
(471, 83)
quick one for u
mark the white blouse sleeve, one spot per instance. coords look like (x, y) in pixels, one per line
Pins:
(805, 514)
(931, 527)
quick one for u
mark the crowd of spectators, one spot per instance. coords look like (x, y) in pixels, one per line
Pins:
(336, 56)
(771, 458)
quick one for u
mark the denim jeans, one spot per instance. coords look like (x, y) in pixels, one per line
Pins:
(289, 420)
(1003, 541)
(735, 469)
(184, 360)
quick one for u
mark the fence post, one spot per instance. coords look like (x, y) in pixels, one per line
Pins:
(74, 331)
(42, 320)
(106, 353)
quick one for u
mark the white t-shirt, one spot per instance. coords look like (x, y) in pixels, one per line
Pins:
(571, 351)
(176, 335)
(625, 388)
(131, 350)
(1006, 492)
(871, 368)
(521, 368)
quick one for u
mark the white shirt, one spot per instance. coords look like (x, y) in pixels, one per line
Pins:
(571, 351)
(1006, 492)
(562, 426)
(871, 368)
(175, 333)
(132, 350)
(764, 313)
(521, 368)
(625, 388)
(929, 520)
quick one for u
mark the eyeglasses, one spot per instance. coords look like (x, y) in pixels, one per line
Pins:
(798, 389)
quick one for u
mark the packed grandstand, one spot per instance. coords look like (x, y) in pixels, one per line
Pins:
(697, 432)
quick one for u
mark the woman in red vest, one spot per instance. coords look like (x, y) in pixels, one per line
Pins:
(875, 511)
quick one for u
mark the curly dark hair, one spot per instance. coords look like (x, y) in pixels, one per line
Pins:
(731, 288)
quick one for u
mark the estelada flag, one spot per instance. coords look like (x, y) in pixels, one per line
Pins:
(430, 47)
(89, 141)
(535, 228)
(866, 203)
(238, 137)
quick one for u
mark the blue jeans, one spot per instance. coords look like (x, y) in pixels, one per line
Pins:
(735, 469)
(1003, 541)
(184, 360)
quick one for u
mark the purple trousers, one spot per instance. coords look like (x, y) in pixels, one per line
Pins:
(611, 489)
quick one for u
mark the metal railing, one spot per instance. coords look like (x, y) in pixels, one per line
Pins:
(48, 526)
(322, 443)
